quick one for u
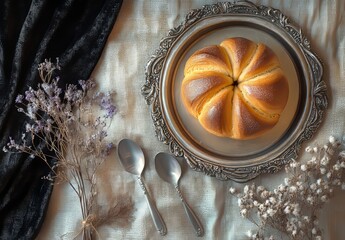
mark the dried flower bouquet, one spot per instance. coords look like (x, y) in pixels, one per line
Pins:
(291, 210)
(67, 132)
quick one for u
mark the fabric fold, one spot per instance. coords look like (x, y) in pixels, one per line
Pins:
(30, 31)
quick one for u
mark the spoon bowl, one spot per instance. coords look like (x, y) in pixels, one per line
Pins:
(131, 157)
(133, 161)
(169, 169)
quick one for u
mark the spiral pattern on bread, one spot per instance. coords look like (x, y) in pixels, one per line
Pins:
(236, 89)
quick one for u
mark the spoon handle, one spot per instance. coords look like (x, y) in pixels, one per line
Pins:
(156, 217)
(191, 215)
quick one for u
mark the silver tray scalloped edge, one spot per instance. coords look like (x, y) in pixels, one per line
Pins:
(317, 91)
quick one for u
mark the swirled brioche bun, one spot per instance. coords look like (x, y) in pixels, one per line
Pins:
(236, 89)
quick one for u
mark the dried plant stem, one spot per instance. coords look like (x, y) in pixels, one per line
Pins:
(292, 208)
(66, 135)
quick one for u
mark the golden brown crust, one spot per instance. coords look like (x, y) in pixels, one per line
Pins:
(236, 90)
(240, 51)
(249, 123)
(267, 92)
(198, 88)
(263, 60)
(212, 58)
(213, 117)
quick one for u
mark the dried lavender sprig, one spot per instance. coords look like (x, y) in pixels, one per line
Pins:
(63, 120)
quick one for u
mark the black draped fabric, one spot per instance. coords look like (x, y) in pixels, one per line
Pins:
(75, 31)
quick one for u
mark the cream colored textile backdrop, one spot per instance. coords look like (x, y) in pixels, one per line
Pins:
(136, 34)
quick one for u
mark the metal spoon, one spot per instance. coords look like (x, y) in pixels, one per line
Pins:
(169, 169)
(133, 160)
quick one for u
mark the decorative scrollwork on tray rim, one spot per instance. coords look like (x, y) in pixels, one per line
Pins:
(151, 91)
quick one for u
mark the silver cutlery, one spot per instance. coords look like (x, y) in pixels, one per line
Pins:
(133, 160)
(169, 169)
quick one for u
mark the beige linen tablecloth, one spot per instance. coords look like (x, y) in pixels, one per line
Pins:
(136, 35)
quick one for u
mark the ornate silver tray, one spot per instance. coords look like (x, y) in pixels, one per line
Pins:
(222, 157)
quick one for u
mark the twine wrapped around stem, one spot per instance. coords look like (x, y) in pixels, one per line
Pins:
(65, 127)
(88, 228)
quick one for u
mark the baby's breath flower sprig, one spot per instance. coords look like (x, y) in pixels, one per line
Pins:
(64, 122)
(47, 68)
(291, 210)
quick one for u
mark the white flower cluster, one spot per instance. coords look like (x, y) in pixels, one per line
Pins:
(292, 208)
